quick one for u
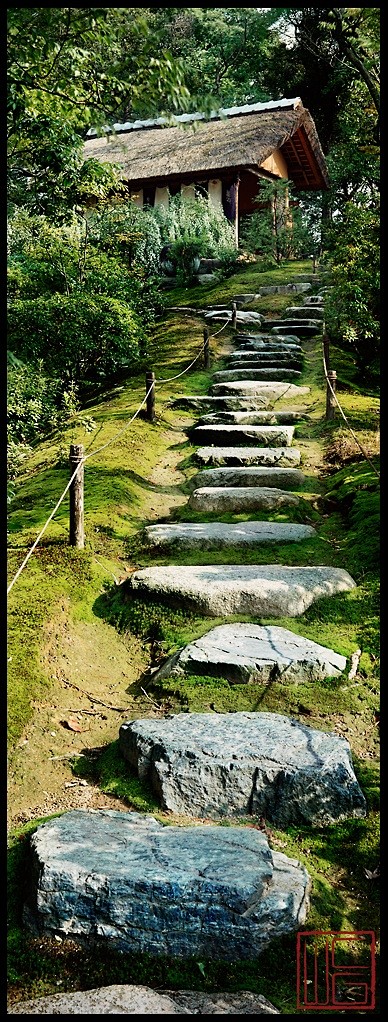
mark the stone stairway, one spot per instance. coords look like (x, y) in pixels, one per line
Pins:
(217, 892)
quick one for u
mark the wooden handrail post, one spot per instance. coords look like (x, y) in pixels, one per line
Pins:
(76, 531)
(330, 402)
(150, 386)
(206, 350)
(234, 316)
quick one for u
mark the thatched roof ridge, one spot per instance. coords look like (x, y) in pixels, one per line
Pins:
(211, 146)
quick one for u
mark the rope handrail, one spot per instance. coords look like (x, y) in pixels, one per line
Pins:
(366, 456)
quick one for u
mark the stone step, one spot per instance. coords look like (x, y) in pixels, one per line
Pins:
(302, 312)
(249, 418)
(218, 535)
(261, 339)
(284, 289)
(125, 999)
(286, 478)
(124, 881)
(287, 457)
(265, 436)
(264, 590)
(253, 342)
(248, 653)
(302, 328)
(227, 764)
(272, 375)
(314, 300)
(255, 402)
(271, 358)
(222, 499)
(265, 362)
(241, 316)
(263, 390)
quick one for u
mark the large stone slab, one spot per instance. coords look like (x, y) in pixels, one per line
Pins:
(250, 418)
(252, 359)
(302, 312)
(271, 456)
(280, 375)
(284, 289)
(314, 300)
(138, 1000)
(264, 390)
(266, 590)
(228, 402)
(225, 315)
(228, 764)
(246, 653)
(222, 499)
(125, 881)
(304, 328)
(218, 535)
(220, 433)
(261, 340)
(288, 478)
(120, 999)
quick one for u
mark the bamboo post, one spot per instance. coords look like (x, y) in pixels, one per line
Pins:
(206, 351)
(330, 402)
(150, 386)
(76, 532)
(234, 316)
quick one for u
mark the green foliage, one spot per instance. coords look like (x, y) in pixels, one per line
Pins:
(192, 229)
(36, 404)
(352, 305)
(276, 231)
(82, 338)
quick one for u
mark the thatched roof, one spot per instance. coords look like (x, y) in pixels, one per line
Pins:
(210, 147)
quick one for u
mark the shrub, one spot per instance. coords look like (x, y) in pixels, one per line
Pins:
(80, 338)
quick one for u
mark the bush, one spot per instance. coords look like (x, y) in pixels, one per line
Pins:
(82, 339)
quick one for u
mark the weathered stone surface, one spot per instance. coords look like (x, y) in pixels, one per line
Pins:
(250, 418)
(112, 1000)
(263, 340)
(252, 359)
(267, 590)
(228, 764)
(137, 1000)
(229, 401)
(283, 456)
(217, 535)
(302, 312)
(256, 388)
(241, 1003)
(124, 880)
(221, 499)
(285, 289)
(270, 365)
(246, 653)
(288, 478)
(314, 300)
(220, 433)
(231, 375)
(305, 328)
(241, 316)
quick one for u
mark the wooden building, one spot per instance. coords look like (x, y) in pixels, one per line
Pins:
(224, 155)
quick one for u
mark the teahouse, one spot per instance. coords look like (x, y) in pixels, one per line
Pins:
(224, 155)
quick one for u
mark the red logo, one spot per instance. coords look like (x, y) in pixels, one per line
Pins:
(329, 976)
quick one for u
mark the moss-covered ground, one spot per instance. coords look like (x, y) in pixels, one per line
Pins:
(80, 653)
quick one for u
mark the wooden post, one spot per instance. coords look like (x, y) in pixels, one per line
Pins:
(76, 532)
(234, 316)
(206, 351)
(326, 350)
(150, 386)
(330, 402)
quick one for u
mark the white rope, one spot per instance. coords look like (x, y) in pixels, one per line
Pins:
(170, 378)
(345, 419)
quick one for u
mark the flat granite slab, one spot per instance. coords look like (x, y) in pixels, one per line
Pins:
(218, 535)
(220, 433)
(256, 359)
(249, 418)
(288, 478)
(301, 327)
(279, 375)
(123, 999)
(286, 341)
(284, 456)
(241, 317)
(304, 312)
(246, 653)
(267, 392)
(221, 499)
(126, 882)
(231, 764)
(266, 590)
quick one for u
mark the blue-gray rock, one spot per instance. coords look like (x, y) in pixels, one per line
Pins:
(219, 535)
(270, 418)
(279, 375)
(245, 653)
(255, 475)
(125, 881)
(225, 590)
(223, 499)
(264, 390)
(224, 434)
(270, 456)
(233, 764)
